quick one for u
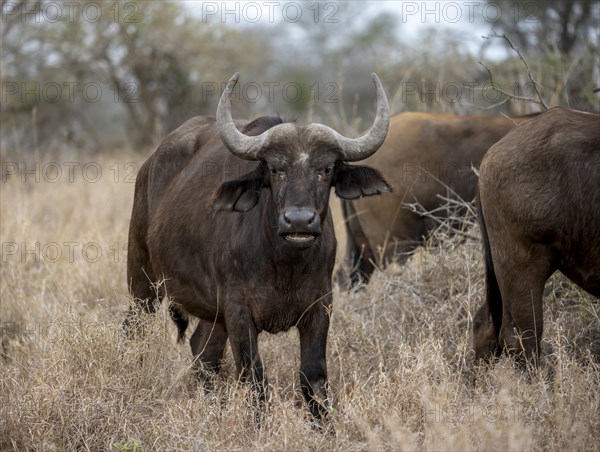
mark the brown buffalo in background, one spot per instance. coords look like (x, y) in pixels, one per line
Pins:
(424, 156)
(539, 197)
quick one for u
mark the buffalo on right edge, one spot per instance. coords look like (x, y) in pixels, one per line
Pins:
(425, 157)
(539, 207)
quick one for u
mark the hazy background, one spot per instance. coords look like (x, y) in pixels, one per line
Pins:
(79, 78)
(88, 89)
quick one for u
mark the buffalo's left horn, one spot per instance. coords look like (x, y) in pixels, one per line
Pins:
(239, 144)
(352, 149)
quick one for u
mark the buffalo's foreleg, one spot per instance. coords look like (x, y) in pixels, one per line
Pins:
(313, 364)
(208, 343)
(243, 338)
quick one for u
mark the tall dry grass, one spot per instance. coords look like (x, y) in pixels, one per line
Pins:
(400, 365)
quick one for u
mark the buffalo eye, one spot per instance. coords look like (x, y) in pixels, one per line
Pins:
(325, 173)
(276, 174)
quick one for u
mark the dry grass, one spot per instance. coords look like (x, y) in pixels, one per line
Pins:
(399, 353)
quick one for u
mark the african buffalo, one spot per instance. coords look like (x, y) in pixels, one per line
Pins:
(424, 155)
(539, 211)
(235, 228)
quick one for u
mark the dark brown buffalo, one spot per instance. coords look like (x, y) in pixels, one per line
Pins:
(539, 196)
(424, 156)
(236, 228)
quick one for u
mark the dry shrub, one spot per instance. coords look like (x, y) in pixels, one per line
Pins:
(400, 364)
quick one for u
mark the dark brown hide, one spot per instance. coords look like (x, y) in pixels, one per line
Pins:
(246, 245)
(423, 156)
(539, 196)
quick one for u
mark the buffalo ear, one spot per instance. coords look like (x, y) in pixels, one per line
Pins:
(241, 194)
(352, 182)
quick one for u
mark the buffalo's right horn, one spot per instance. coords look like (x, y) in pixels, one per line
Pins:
(239, 144)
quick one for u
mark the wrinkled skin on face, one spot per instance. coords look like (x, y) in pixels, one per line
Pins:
(299, 175)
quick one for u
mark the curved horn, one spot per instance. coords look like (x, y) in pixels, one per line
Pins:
(239, 144)
(353, 149)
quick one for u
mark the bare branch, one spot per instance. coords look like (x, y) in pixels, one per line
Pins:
(506, 93)
(449, 217)
(454, 215)
(536, 85)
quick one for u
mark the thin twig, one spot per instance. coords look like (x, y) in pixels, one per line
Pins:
(506, 93)
(448, 214)
(536, 85)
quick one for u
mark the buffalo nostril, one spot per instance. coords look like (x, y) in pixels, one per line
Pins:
(300, 219)
(299, 222)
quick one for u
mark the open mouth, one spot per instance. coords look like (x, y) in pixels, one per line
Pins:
(299, 238)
